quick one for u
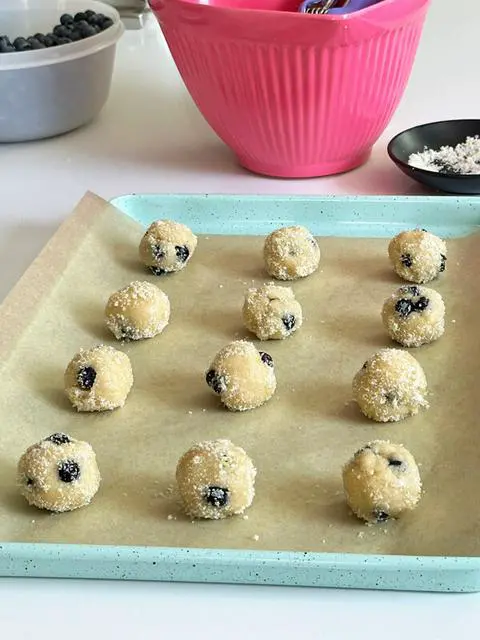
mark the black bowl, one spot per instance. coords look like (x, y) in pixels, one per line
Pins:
(433, 136)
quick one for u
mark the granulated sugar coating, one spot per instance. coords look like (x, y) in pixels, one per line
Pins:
(461, 159)
(381, 481)
(138, 311)
(58, 473)
(414, 315)
(390, 386)
(243, 377)
(98, 379)
(417, 255)
(271, 312)
(167, 246)
(291, 253)
(216, 479)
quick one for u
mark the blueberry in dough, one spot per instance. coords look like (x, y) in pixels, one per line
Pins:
(414, 315)
(271, 312)
(98, 379)
(167, 246)
(417, 255)
(242, 376)
(58, 473)
(216, 479)
(392, 386)
(59, 438)
(381, 481)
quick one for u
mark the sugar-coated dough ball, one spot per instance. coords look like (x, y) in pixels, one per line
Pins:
(414, 315)
(291, 253)
(382, 481)
(271, 312)
(98, 379)
(167, 246)
(140, 310)
(58, 473)
(390, 386)
(242, 376)
(216, 479)
(417, 255)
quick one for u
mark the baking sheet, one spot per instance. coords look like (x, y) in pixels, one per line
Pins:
(298, 440)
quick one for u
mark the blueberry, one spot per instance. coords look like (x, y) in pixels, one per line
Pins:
(58, 438)
(266, 358)
(217, 496)
(289, 321)
(86, 378)
(422, 303)
(50, 40)
(215, 382)
(6, 48)
(406, 260)
(90, 14)
(61, 31)
(127, 333)
(404, 307)
(5, 45)
(390, 396)
(63, 40)
(68, 470)
(412, 290)
(66, 19)
(380, 516)
(96, 19)
(84, 29)
(40, 37)
(442, 263)
(80, 16)
(36, 44)
(157, 271)
(157, 252)
(21, 44)
(106, 24)
(182, 253)
(392, 462)
(75, 35)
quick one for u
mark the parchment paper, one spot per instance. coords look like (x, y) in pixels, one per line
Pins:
(299, 440)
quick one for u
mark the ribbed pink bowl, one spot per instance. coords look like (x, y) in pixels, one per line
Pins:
(294, 95)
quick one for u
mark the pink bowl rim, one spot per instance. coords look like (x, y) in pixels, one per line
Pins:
(382, 6)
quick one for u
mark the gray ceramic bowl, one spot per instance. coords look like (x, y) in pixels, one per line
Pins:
(48, 92)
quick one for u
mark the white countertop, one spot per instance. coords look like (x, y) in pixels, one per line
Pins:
(151, 138)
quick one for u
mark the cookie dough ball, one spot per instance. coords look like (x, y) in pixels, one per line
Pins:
(414, 315)
(216, 479)
(98, 379)
(390, 386)
(167, 246)
(291, 253)
(242, 376)
(417, 255)
(58, 473)
(381, 481)
(137, 311)
(271, 312)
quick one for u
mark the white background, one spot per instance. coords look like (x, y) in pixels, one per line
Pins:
(151, 138)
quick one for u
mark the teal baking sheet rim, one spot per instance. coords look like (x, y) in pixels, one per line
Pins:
(353, 216)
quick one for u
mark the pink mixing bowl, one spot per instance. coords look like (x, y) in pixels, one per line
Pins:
(293, 95)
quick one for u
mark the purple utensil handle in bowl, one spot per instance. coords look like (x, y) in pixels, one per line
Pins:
(338, 7)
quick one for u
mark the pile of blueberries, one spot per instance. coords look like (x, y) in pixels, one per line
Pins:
(71, 28)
